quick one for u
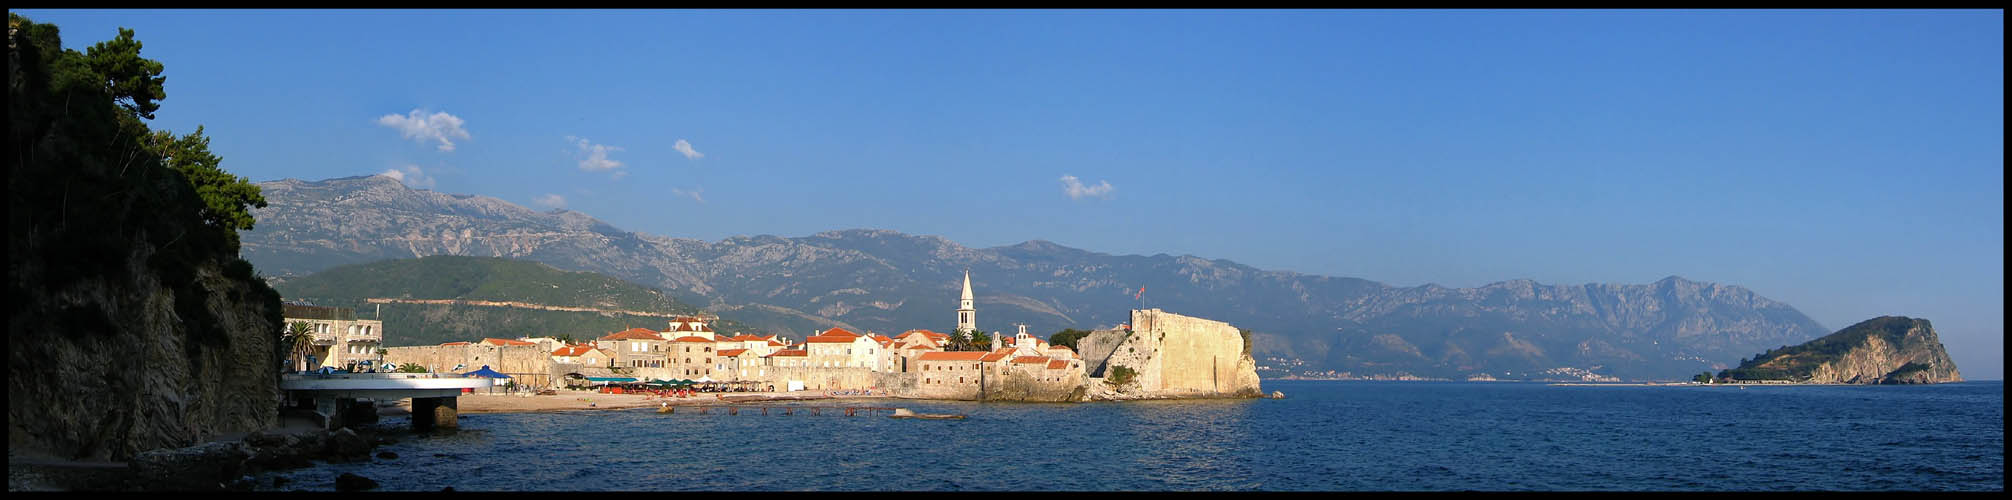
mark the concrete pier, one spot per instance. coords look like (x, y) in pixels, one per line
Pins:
(335, 395)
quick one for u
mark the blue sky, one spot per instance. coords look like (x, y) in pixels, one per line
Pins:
(1849, 163)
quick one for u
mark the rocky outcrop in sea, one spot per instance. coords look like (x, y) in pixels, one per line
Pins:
(1883, 350)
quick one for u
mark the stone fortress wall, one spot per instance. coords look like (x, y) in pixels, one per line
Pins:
(1173, 355)
(531, 363)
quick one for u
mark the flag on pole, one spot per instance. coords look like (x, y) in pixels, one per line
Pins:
(1142, 292)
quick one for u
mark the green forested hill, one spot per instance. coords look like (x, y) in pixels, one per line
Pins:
(491, 279)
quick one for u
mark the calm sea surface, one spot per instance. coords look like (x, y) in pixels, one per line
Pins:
(1324, 436)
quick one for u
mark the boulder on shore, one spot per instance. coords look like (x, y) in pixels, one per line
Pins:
(346, 444)
(203, 467)
(348, 482)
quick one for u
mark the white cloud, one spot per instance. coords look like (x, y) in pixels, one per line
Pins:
(597, 156)
(1076, 190)
(550, 201)
(694, 194)
(410, 175)
(686, 148)
(438, 126)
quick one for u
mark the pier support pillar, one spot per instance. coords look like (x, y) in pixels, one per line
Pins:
(329, 411)
(435, 413)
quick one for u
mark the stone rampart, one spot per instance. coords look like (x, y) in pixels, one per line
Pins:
(531, 363)
(1172, 356)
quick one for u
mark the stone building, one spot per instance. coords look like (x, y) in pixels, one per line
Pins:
(691, 357)
(838, 348)
(637, 349)
(583, 355)
(340, 339)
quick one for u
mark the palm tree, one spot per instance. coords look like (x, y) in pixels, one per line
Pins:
(299, 340)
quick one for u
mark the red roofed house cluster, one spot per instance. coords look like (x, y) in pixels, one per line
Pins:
(913, 363)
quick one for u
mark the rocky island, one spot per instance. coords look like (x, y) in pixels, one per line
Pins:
(1882, 350)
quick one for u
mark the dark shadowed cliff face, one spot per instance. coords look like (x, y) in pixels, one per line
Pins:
(889, 282)
(131, 323)
(1882, 350)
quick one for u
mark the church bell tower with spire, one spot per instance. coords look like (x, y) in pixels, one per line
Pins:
(967, 317)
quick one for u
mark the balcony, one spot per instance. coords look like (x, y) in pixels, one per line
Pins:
(373, 332)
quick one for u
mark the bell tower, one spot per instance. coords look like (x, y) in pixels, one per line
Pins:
(967, 317)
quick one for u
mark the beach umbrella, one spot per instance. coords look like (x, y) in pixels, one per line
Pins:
(485, 372)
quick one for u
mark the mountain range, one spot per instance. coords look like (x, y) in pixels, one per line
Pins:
(886, 281)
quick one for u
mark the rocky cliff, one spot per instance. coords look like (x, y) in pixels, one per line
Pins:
(1883, 350)
(132, 325)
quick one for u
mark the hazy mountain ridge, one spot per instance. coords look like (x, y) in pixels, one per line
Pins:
(893, 282)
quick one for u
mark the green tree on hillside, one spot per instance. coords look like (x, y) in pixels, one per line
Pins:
(1067, 337)
(227, 199)
(133, 82)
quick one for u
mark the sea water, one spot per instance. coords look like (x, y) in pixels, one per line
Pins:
(1326, 435)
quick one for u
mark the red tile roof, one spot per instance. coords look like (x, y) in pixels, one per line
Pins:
(633, 334)
(693, 338)
(838, 331)
(951, 356)
(790, 352)
(682, 326)
(1029, 360)
(1058, 364)
(572, 350)
(832, 339)
(773, 343)
(995, 355)
(925, 333)
(732, 352)
(883, 338)
(505, 342)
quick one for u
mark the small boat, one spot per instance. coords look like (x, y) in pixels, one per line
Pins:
(904, 413)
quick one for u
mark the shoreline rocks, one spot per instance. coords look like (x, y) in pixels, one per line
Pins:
(212, 466)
